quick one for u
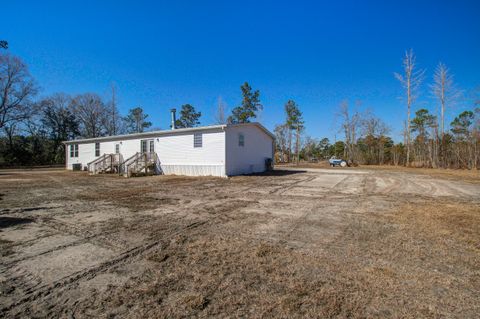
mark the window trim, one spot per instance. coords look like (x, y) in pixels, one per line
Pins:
(197, 140)
(241, 140)
(151, 146)
(73, 150)
(143, 146)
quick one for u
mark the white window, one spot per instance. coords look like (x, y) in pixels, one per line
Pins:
(241, 140)
(197, 140)
(143, 146)
(147, 146)
(73, 150)
(97, 149)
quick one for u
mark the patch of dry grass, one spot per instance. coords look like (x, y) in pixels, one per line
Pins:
(418, 257)
(421, 260)
(219, 275)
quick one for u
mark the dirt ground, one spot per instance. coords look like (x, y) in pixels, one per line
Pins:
(314, 243)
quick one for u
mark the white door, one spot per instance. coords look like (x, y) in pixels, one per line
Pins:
(147, 146)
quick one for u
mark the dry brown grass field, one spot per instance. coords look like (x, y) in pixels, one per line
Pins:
(370, 242)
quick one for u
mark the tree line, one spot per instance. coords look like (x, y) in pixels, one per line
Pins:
(32, 128)
(428, 141)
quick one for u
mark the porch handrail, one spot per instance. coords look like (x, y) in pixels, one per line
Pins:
(95, 162)
(98, 159)
(138, 161)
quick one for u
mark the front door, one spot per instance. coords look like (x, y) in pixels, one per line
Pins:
(147, 146)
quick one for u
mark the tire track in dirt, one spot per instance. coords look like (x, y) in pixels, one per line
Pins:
(91, 272)
(81, 232)
(292, 185)
(20, 280)
(427, 186)
(395, 184)
(458, 191)
(340, 184)
(60, 247)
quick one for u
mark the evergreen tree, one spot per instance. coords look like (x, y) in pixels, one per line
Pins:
(136, 120)
(295, 123)
(188, 117)
(249, 107)
(461, 125)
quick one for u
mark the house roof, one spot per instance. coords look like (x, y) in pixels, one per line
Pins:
(167, 132)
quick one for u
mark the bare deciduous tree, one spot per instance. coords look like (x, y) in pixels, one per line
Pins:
(91, 114)
(350, 124)
(374, 132)
(281, 135)
(114, 123)
(220, 112)
(444, 90)
(16, 90)
(410, 81)
(58, 122)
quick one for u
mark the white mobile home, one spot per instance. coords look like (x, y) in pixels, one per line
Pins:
(219, 150)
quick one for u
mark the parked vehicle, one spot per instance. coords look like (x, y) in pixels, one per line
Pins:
(337, 162)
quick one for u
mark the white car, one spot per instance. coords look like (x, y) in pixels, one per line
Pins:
(337, 162)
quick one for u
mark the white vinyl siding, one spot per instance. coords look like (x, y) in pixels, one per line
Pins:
(178, 149)
(176, 152)
(247, 148)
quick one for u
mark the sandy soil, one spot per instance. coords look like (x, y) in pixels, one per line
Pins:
(294, 243)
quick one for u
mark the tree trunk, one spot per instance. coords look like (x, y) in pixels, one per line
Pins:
(298, 144)
(290, 145)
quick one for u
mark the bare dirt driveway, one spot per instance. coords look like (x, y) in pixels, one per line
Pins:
(293, 243)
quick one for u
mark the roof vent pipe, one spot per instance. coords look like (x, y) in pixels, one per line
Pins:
(174, 119)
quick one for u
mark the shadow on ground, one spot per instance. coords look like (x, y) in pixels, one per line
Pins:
(13, 221)
(278, 172)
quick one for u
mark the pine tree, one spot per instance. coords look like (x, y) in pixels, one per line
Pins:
(188, 117)
(249, 107)
(136, 120)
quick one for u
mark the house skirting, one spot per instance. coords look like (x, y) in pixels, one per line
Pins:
(193, 169)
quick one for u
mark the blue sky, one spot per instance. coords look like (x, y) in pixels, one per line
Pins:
(164, 54)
